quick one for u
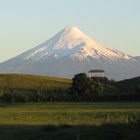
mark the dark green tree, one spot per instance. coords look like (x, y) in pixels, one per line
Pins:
(99, 89)
(81, 85)
(138, 89)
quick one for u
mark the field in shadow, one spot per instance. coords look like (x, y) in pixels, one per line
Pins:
(129, 131)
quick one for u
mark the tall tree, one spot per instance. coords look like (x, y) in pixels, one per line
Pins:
(81, 85)
(138, 89)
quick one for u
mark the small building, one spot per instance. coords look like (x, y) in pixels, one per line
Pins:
(96, 73)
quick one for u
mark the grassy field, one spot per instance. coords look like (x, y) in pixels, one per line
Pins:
(21, 81)
(70, 121)
(68, 113)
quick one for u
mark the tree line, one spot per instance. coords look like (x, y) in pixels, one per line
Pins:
(82, 88)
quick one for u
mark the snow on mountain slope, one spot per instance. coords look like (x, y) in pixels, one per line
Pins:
(72, 42)
(70, 51)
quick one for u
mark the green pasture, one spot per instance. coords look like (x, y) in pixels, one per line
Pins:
(69, 113)
(21, 81)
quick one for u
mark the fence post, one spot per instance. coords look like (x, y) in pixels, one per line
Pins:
(12, 117)
(30, 119)
(127, 119)
(70, 122)
(107, 119)
(78, 136)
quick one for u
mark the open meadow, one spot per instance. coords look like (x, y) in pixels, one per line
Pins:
(64, 121)
(69, 113)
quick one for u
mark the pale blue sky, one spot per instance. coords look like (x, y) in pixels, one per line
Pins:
(26, 23)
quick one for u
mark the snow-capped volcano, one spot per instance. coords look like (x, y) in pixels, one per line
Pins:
(73, 43)
(69, 52)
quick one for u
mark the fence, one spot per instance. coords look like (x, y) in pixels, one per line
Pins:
(68, 119)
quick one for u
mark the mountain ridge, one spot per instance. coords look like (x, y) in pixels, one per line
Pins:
(70, 51)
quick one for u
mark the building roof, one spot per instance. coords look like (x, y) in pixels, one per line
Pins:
(96, 71)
